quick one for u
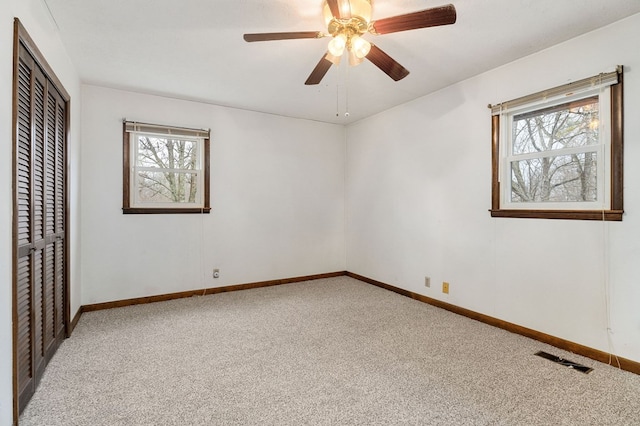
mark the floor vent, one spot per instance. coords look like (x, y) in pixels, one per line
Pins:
(573, 365)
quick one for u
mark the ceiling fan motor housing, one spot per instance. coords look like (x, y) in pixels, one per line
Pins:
(346, 21)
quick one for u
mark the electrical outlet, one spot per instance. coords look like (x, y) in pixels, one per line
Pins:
(216, 273)
(427, 282)
(445, 287)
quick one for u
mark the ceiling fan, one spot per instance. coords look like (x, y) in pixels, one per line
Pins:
(347, 21)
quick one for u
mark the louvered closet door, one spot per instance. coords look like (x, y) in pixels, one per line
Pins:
(40, 185)
(54, 223)
(24, 241)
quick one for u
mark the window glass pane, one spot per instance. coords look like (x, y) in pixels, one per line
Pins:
(569, 125)
(555, 179)
(167, 153)
(158, 187)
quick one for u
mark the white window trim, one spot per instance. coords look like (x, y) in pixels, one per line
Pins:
(132, 205)
(134, 169)
(603, 150)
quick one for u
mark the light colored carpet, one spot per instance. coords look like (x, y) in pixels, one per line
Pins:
(325, 352)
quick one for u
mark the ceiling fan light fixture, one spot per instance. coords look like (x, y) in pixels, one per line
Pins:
(354, 60)
(337, 45)
(335, 60)
(360, 46)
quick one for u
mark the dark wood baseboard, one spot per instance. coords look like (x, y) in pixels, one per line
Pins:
(604, 357)
(205, 291)
(622, 363)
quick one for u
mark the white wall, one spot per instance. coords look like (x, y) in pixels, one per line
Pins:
(417, 195)
(419, 190)
(277, 198)
(33, 16)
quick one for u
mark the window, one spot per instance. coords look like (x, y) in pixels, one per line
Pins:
(557, 154)
(165, 169)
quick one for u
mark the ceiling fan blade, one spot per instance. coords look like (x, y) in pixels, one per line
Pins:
(340, 9)
(443, 15)
(320, 70)
(333, 7)
(387, 64)
(282, 36)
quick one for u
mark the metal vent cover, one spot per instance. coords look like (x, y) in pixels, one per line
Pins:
(573, 365)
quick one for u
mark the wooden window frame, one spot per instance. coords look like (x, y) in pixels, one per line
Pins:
(615, 210)
(126, 182)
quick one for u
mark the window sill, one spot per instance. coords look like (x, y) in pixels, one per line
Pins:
(606, 215)
(140, 210)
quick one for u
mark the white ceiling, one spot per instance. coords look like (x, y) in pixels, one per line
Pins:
(193, 49)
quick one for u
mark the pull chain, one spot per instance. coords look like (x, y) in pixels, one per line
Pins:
(346, 90)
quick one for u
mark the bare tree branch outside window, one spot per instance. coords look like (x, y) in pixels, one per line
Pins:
(547, 172)
(167, 169)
